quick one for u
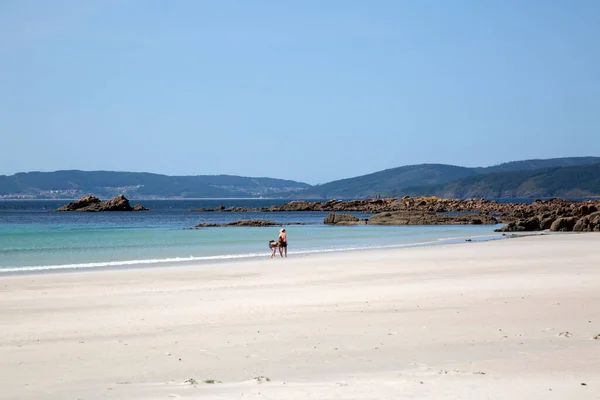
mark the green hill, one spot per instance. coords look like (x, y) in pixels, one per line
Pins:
(574, 176)
(579, 181)
(388, 181)
(104, 184)
(394, 182)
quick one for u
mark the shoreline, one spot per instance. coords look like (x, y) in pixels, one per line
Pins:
(504, 319)
(210, 261)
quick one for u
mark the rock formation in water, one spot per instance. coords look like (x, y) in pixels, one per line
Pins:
(246, 222)
(406, 203)
(554, 214)
(94, 204)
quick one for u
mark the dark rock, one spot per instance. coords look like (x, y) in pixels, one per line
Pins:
(139, 207)
(93, 204)
(207, 225)
(531, 224)
(589, 223)
(511, 227)
(253, 222)
(341, 219)
(250, 222)
(523, 214)
(119, 203)
(547, 222)
(430, 218)
(85, 201)
(540, 215)
(586, 209)
(518, 210)
(563, 224)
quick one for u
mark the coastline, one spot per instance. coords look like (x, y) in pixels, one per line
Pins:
(208, 261)
(32, 239)
(506, 319)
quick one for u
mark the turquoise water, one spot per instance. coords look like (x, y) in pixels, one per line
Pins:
(33, 238)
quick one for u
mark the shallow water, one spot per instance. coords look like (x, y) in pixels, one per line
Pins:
(33, 238)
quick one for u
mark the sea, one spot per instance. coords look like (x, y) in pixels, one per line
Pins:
(34, 238)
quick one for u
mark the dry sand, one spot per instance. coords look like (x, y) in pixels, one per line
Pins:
(466, 321)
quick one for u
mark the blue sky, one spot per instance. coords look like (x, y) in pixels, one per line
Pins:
(306, 90)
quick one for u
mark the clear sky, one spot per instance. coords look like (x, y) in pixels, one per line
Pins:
(305, 90)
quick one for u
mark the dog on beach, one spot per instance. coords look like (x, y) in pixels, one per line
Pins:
(273, 245)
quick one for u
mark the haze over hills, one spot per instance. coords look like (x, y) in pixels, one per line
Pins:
(573, 176)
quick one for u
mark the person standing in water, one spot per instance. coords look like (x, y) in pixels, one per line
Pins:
(282, 240)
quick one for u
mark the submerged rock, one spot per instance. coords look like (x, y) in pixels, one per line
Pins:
(412, 218)
(247, 222)
(513, 226)
(431, 218)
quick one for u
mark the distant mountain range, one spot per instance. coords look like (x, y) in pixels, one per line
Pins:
(557, 177)
(104, 184)
(426, 179)
(564, 182)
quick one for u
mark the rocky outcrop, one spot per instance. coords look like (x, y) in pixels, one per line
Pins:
(373, 206)
(430, 218)
(247, 222)
(432, 204)
(522, 225)
(564, 224)
(94, 204)
(412, 218)
(555, 215)
(84, 202)
(539, 215)
(342, 219)
(588, 223)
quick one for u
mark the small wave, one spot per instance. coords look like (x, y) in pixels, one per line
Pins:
(125, 263)
(225, 257)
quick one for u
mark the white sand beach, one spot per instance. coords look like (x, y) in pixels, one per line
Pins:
(510, 319)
